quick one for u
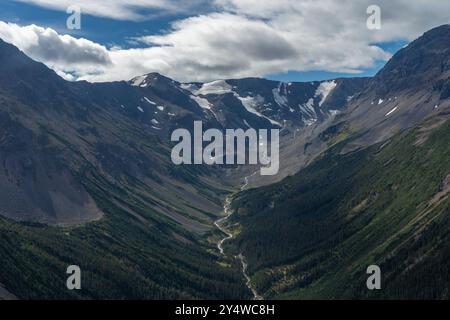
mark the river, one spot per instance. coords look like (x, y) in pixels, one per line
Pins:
(228, 235)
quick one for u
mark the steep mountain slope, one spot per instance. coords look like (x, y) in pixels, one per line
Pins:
(412, 85)
(78, 152)
(387, 202)
(343, 213)
(53, 129)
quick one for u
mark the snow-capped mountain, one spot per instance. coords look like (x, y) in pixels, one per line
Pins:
(252, 102)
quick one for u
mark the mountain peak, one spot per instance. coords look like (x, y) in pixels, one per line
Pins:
(424, 61)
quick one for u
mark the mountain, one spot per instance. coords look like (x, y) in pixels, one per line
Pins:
(298, 109)
(86, 178)
(378, 193)
(278, 103)
(412, 85)
(53, 131)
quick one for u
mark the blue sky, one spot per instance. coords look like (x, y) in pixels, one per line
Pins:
(99, 29)
(318, 75)
(240, 52)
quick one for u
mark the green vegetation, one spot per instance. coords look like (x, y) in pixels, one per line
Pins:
(120, 256)
(314, 234)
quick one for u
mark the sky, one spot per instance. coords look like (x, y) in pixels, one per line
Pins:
(205, 40)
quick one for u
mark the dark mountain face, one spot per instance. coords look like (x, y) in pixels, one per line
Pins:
(36, 185)
(263, 102)
(28, 81)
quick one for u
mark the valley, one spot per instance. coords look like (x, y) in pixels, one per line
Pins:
(86, 178)
(220, 224)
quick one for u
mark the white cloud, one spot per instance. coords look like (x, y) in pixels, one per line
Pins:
(120, 9)
(245, 38)
(401, 19)
(60, 52)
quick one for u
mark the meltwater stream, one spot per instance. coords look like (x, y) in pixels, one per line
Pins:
(219, 224)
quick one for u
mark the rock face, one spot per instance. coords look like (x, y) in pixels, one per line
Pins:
(263, 102)
(420, 65)
(35, 185)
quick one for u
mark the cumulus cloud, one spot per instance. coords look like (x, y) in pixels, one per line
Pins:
(244, 38)
(401, 19)
(60, 52)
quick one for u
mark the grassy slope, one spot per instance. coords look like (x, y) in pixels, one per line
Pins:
(325, 225)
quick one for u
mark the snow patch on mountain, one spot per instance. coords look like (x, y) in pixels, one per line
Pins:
(334, 112)
(308, 108)
(324, 90)
(191, 87)
(308, 112)
(215, 87)
(390, 112)
(251, 103)
(279, 95)
(202, 102)
(140, 81)
(309, 122)
(150, 101)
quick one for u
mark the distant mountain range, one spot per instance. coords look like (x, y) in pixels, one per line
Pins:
(86, 178)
